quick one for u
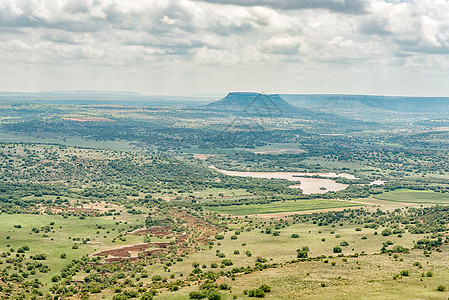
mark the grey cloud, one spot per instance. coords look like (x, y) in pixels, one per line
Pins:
(374, 25)
(341, 6)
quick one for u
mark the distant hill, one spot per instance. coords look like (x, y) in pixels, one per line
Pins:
(367, 103)
(256, 104)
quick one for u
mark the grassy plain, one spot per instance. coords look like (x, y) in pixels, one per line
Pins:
(412, 196)
(286, 206)
(304, 279)
(65, 233)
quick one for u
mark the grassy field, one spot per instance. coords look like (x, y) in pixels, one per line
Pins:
(279, 207)
(66, 141)
(303, 280)
(411, 196)
(369, 277)
(59, 239)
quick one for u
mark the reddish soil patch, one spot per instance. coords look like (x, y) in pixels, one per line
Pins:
(191, 223)
(119, 254)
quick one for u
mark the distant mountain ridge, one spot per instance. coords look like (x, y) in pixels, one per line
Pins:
(369, 103)
(251, 103)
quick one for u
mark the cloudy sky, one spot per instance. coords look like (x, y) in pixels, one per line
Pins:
(182, 47)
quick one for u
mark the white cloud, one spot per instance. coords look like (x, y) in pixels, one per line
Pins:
(245, 41)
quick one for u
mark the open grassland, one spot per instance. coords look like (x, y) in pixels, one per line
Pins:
(304, 279)
(279, 207)
(366, 277)
(412, 196)
(54, 235)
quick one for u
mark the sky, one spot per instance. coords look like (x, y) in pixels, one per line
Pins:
(184, 47)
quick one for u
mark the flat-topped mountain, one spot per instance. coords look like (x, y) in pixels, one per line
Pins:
(369, 103)
(253, 104)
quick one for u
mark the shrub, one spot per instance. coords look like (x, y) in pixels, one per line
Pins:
(441, 288)
(147, 296)
(265, 288)
(219, 237)
(295, 236)
(197, 295)
(344, 244)
(386, 232)
(399, 249)
(227, 262)
(214, 296)
(337, 249)
(405, 273)
(39, 257)
(256, 293)
(302, 253)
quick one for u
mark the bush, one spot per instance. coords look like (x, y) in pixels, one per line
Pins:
(197, 295)
(219, 237)
(256, 293)
(344, 244)
(386, 232)
(441, 288)
(295, 236)
(302, 253)
(399, 249)
(214, 296)
(337, 249)
(265, 288)
(147, 296)
(227, 262)
(405, 273)
(39, 257)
